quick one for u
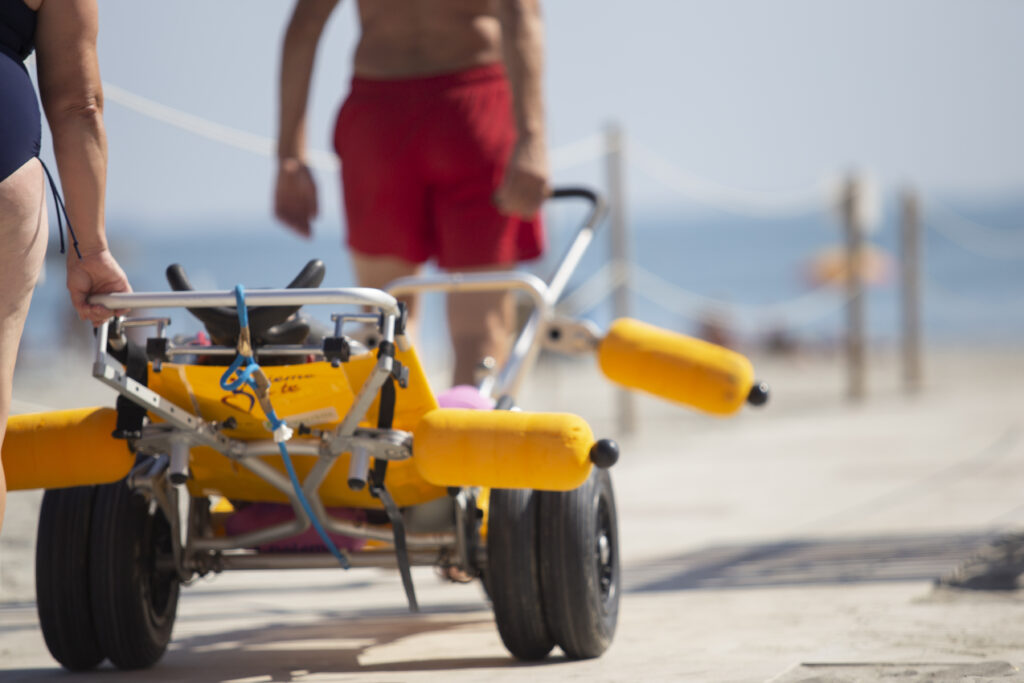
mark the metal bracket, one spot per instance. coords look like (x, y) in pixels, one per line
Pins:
(149, 478)
(197, 431)
(382, 444)
(569, 336)
(467, 533)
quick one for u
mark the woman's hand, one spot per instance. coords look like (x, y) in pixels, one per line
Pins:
(95, 273)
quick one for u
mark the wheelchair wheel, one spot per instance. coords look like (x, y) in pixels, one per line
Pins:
(63, 598)
(580, 566)
(135, 596)
(512, 574)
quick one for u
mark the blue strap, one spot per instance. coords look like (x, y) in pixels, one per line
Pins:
(243, 311)
(245, 377)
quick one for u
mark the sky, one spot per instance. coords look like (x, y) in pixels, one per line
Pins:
(759, 97)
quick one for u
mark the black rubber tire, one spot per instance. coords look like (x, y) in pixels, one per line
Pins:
(512, 574)
(63, 598)
(580, 566)
(134, 602)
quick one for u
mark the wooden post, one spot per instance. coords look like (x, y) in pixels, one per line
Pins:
(625, 402)
(910, 276)
(853, 226)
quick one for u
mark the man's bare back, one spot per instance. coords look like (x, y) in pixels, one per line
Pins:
(408, 38)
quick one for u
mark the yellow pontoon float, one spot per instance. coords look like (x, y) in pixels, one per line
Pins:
(274, 447)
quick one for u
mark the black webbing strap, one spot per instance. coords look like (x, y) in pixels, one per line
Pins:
(130, 415)
(385, 420)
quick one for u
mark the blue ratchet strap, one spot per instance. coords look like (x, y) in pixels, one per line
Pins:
(280, 428)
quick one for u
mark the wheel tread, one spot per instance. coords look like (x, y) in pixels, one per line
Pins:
(577, 618)
(514, 574)
(63, 599)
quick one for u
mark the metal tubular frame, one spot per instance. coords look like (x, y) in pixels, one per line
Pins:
(181, 426)
(349, 296)
(544, 295)
(186, 428)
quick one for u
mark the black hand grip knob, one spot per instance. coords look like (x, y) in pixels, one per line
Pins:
(758, 395)
(604, 453)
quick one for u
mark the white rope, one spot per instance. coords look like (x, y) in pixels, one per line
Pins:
(954, 299)
(814, 305)
(211, 130)
(586, 150)
(1005, 245)
(566, 156)
(803, 310)
(822, 196)
(575, 153)
(596, 289)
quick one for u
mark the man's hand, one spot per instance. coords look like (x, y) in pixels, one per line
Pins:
(295, 202)
(96, 273)
(525, 185)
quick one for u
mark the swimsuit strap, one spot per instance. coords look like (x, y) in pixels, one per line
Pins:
(59, 202)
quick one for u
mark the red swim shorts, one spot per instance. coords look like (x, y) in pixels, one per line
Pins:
(421, 159)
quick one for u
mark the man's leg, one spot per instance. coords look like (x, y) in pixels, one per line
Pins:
(378, 271)
(481, 325)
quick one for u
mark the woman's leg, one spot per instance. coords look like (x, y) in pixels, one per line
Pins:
(22, 248)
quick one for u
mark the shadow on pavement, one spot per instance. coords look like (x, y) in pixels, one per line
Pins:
(917, 557)
(334, 644)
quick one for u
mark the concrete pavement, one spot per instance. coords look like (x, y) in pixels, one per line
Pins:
(796, 543)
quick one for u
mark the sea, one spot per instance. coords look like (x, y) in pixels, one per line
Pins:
(753, 278)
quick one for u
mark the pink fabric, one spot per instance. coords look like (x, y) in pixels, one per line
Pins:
(464, 396)
(254, 516)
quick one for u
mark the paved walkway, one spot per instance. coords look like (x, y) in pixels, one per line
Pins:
(796, 543)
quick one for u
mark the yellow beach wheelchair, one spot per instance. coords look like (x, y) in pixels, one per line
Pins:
(274, 444)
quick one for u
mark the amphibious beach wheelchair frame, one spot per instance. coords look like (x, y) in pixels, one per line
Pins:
(272, 449)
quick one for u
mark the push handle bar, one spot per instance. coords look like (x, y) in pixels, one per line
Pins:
(356, 296)
(598, 206)
(582, 239)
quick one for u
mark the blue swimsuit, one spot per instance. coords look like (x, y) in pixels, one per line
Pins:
(20, 124)
(19, 111)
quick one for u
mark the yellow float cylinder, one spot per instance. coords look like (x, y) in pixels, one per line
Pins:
(64, 448)
(676, 367)
(503, 449)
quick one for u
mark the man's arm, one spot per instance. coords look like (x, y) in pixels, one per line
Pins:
(295, 201)
(72, 97)
(525, 184)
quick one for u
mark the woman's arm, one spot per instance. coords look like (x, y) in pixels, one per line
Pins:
(72, 98)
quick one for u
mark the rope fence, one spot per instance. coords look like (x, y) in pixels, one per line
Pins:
(993, 243)
(822, 197)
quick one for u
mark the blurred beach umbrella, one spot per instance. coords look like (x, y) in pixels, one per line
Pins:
(830, 266)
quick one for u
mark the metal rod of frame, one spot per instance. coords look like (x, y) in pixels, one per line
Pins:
(354, 296)
(382, 559)
(527, 345)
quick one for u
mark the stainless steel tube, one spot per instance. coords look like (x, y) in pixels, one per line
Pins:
(355, 296)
